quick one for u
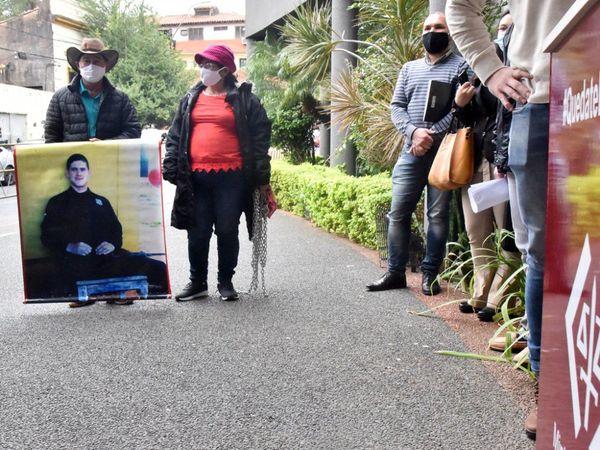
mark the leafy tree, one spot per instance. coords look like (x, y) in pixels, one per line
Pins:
(389, 33)
(11, 8)
(150, 71)
(287, 100)
(292, 133)
(492, 12)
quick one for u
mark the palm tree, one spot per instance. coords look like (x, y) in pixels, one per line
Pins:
(390, 33)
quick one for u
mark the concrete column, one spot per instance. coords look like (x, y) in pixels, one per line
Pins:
(437, 5)
(324, 131)
(343, 24)
(325, 138)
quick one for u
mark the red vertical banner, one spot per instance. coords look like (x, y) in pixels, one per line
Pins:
(569, 405)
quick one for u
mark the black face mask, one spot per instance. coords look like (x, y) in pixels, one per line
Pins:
(436, 42)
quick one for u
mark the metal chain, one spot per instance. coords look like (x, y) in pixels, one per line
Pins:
(259, 241)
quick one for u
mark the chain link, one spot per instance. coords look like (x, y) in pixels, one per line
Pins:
(259, 242)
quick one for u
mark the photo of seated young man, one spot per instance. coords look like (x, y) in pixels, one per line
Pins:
(84, 235)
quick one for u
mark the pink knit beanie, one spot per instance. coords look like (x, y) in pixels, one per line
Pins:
(221, 54)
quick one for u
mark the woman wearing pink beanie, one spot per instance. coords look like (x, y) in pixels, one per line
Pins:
(216, 155)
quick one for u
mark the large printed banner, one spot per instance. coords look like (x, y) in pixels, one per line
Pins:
(91, 221)
(569, 408)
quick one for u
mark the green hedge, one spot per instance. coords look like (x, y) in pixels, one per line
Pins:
(339, 203)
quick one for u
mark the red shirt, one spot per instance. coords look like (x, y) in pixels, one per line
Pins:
(214, 144)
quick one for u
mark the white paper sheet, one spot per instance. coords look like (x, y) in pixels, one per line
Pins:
(487, 194)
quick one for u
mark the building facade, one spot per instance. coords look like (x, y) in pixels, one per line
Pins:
(192, 33)
(33, 45)
(33, 65)
(26, 54)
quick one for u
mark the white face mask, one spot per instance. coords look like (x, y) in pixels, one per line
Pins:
(92, 73)
(210, 77)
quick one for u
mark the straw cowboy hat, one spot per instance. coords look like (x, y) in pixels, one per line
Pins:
(92, 46)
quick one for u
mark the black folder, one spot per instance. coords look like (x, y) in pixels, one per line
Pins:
(439, 101)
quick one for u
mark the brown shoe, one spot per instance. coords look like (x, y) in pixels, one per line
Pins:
(499, 343)
(123, 301)
(128, 298)
(80, 304)
(521, 358)
(531, 424)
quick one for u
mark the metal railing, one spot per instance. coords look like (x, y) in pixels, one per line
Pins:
(7, 183)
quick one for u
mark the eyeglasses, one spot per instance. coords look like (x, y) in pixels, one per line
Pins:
(210, 66)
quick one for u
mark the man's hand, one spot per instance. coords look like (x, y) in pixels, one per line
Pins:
(464, 94)
(507, 83)
(79, 248)
(421, 141)
(105, 248)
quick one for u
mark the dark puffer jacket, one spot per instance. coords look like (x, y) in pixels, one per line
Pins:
(254, 133)
(66, 120)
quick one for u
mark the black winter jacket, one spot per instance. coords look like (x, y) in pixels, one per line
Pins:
(254, 133)
(480, 114)
(66, 120)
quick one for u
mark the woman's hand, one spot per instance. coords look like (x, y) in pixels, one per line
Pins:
(498, 174)
(267, 192)
(464, 94)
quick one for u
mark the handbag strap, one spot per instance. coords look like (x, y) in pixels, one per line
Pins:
(453, 124)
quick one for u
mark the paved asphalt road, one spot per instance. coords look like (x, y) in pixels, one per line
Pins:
(318, 364)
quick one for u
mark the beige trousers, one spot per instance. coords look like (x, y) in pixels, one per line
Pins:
(487, 280)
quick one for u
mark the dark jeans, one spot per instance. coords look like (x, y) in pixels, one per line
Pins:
(409, 178)
(218, 202)
(528, 160)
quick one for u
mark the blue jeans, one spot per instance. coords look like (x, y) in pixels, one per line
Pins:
(528, 160)
(219, 199)
(409, 178)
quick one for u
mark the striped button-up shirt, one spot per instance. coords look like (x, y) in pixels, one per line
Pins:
(410, 95)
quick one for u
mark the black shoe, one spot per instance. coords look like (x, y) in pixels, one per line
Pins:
(465, 307)
(227, 291)
(389, 280)
(430, 284)
(487, 314)
(194, 289)
(81, 303)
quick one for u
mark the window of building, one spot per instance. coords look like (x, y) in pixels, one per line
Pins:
(240, 32)
(206, 11)
(242, 63)
(184, 32)
(220, 28)
(196, 34)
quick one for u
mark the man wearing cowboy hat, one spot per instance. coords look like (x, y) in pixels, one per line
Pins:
(91, 108)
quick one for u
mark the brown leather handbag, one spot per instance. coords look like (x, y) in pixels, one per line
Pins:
(453, 164)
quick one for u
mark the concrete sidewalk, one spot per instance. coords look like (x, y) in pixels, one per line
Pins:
(319, 363)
